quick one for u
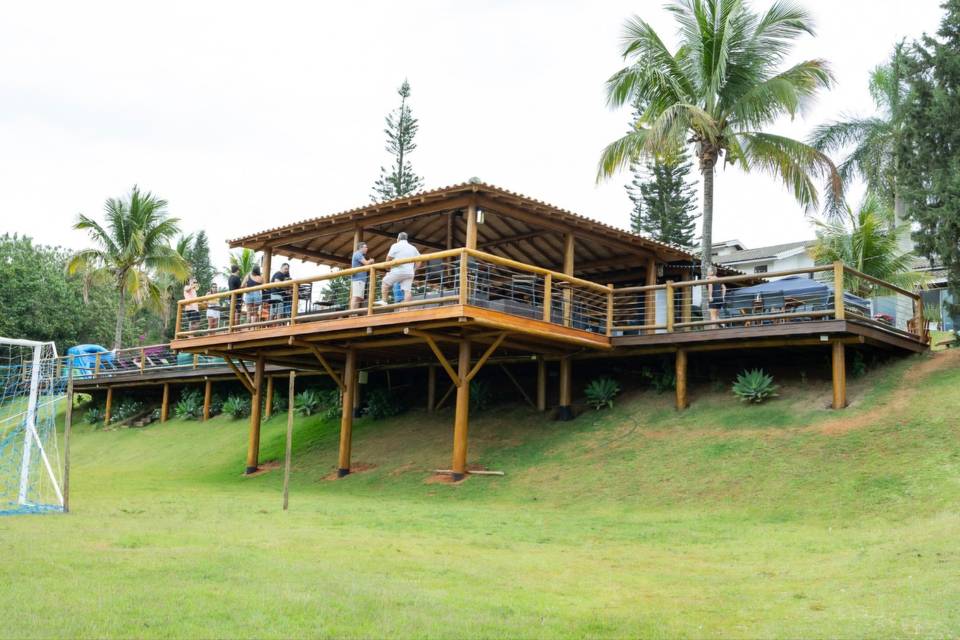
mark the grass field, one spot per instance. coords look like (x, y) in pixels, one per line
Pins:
(784, 520)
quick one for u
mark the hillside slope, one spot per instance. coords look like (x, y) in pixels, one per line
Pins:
(785, 520)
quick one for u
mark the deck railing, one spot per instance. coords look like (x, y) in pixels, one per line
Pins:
(470, 277)
(132, 361)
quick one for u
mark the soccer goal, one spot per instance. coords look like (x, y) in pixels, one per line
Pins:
(31, 477)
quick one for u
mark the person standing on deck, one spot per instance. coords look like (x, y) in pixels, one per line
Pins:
(401, 274)
(280, 300)
(191, 311)
(717, 295)
(358, 281)
(213, 308)
(234, 282)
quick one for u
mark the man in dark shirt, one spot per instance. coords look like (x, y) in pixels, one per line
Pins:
(234, 282)
(284, 296)
(358, 281)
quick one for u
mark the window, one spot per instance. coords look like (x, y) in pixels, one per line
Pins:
(760, 268)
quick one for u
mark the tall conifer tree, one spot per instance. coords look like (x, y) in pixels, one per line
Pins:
(199, 258)
(399, 180)
(664, 201)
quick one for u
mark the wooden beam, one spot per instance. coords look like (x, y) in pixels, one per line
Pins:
(108, 407)
(650, 299)
(517, 385)
(449, 239)
(439, 354)
(470, 242)
(288, 450)
(165, 403)
(461, 416)
(541, 384)
(839, 375)
(839, 313)
(253, 445)
(67, 427)
(446, 395)
(483, 246)
(326, 365)
(483, 359)
(431, 388)
(565, 411)
(346, 414)
(267, 264)
(681, 373)
(207, 397)
(242, 376)
(268, 401)
(440, 246)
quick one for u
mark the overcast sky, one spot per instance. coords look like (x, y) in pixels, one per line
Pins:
(247, 116)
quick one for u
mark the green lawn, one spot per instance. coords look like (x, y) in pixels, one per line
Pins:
(725, 520)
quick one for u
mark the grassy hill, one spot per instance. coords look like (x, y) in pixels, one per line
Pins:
(781, 520)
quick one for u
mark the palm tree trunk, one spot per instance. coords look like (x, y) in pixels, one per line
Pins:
(121, 315)
(707, 167)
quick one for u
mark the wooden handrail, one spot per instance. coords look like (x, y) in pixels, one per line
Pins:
(772, 274)
(878, 281)
(513, 264)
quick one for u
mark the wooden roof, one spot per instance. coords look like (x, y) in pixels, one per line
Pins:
(515, 226)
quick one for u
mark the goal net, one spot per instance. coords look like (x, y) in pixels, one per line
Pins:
(30, 466)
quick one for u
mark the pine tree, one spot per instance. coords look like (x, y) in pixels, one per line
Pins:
(401, 129)
(931, 162)
(199, 259)
(664, 201)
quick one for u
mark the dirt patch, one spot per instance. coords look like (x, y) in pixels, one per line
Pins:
(265, 467)
(355, 468)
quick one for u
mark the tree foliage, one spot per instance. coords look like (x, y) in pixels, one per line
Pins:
(246, 259)
(200, 266)
(664, 200)
(132, 244)
(399, 180)
(930, 148)
(718, 91)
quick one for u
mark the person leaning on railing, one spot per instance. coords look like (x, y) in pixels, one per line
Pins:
(358, 281)
(253, 300)
(401, 274)
(716, 295)
(234, 282)
(280, 299)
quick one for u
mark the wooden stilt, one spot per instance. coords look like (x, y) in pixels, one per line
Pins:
(470, 241)
(541, 384)
(565, 410)
(253, 446)
(431, 388)
(207, 398)
(165, 403)
(681, 372)
(108, 407)
(268, 403)
(289, 448)
(67, 427)
(650, 302)
(346, 413)
(461, 417)
(839, 375)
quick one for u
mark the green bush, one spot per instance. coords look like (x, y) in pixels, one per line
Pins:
(236, 407)
(332, 402)
(216, 405)
(754, 386)
(279, 404)
(190, 406)
(308, 402)
(480, 395)
(601, 392)
(125, 409)
(661, 378)
(382, 403)
(94, 415)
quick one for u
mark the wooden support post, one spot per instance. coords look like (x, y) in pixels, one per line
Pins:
(207, 397)
(541, 384)
(839, 375)
(610, 310)
(294, 303)
(288, 450)
(565, 410)
(179, 320)
(461, 417)
(267, 266)
(96, 365)
(547, 297)
(449, 239)
(568, 266)
(839, 312)
(464, 277)
(268, 403)
(253, 446)
(143, 359)
(671, 311)
(470, 242)
(346, 412)
(431, 388)
(67, 427)
(650, 301)
(371, 290)
(681, 373)
(108, 408)
(233, 311)
(165, 403)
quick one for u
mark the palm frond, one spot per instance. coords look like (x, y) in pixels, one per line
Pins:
(786, 93)
(793, 162)
(618, 154)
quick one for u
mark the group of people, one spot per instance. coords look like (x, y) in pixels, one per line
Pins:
(399, 280)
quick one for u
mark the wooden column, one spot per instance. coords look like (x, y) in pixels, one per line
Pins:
(671, 309)
(461, 420)
(357, 238)
(565, 410)
(681, 372)
(253, 446)
(568, 266)
(650, 303)
(108, 407)
(288, 450)
(346, 412)
(541, 384)
(165, 403)
(839, 375)
(470, 242)
(67, 427)
(268, 403)
(207, 397)
(839, 312)
(431, 388)
(449, 239)
(267, 264)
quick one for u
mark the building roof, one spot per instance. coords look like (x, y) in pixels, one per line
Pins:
(515, 226)
(771, 252)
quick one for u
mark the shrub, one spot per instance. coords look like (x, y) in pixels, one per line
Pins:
(332, 403)
(94, 415)
(480, 395)
(216, 405)
(236, 407)
(279, 404)
(661, 378)
(308, 402)
(382, 403)
(126, 408)
(754, 386)
(601, 392)
(859, 365)
(190, 406)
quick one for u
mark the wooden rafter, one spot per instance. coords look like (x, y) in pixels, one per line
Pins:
(483, 359)
(318, 354)
(242, 376)
(437, 352)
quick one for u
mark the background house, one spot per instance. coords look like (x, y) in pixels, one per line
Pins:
(778, 257)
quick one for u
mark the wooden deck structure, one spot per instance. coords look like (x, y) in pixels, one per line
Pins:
(505, 274)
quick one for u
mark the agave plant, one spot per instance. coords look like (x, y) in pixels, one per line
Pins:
(754, 386)
(601, 392)
(236, 407)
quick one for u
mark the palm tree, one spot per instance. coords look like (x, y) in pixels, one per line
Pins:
(865, 241)
(718, 91)
(133, 242)
(246, 259)
(876, 140)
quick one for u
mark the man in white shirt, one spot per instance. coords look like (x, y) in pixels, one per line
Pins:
(401, 274)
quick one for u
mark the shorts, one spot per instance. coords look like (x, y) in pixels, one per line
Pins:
(404, 279)
(213, 314)
(357, 288)
(254, 297)
(716, 304)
